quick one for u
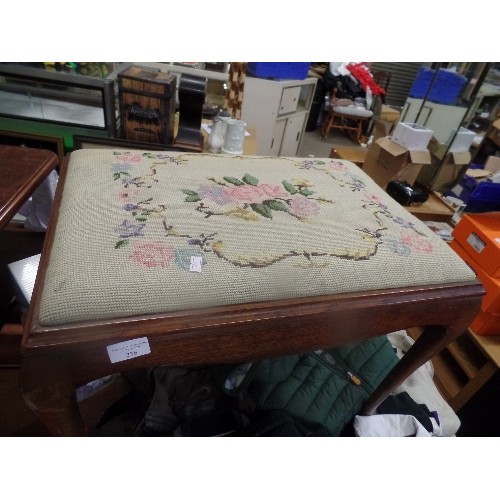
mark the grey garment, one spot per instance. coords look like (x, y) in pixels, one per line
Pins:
(180, 395)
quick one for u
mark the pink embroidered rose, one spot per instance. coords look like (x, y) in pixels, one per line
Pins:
(254, 194)
(303, 207)
(417, 243)
(272, 192)
(338, 166)
(152, 254)
(131, 157)
(126, 194)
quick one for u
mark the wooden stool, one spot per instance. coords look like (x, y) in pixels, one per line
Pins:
(166, 258)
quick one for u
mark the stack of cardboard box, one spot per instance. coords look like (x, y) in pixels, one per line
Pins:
(476, 239)
(400, 156)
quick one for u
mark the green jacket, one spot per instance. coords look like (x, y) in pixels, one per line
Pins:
(326, 388)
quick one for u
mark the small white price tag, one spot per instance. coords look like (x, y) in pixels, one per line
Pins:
(476, 242)
(128, 350)
(195, 264)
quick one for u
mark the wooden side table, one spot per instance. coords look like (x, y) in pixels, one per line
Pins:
(21, 171)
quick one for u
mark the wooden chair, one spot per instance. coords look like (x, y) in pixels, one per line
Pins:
(350, 119)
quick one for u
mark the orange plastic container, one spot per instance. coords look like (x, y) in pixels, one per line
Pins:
(479, 236)
(491, 301)
(486, 324)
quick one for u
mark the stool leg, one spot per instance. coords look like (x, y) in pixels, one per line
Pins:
(53, 401)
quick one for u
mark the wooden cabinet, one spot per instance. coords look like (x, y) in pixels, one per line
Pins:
(278, 110)
(462, 368)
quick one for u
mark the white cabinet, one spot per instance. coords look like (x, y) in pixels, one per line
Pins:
(278, 111)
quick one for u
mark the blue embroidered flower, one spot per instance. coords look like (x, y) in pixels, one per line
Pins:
(398, 247)
(128, 230)
(183, 257)
(404, 223)
(129, 207)
(218, 194)
(121, 168)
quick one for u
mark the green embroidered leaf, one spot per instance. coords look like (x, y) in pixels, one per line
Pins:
(121, 243)
(276, 205)
(319, 162)
(141, 219)
(306, 192)
(234, 181)
(116, 176)
(290, 187)
(261, 210)
(189, 192)
(250, 179)
(192, 197)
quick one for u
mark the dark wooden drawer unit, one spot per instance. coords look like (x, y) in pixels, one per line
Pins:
(147, 105)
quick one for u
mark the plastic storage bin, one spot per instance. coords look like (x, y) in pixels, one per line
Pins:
(447, 87)
(422, 82)
(485, 198)
(279, 70)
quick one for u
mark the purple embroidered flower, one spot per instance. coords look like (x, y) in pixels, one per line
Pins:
(129, 207)
(121, 168)
(303, 207)
(214, 193)
(128, 180)
(404, 223)
(128, 230)
(307, 164)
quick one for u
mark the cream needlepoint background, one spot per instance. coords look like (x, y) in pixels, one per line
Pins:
(261, 228)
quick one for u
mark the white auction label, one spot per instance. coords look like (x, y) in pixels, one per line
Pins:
(195, 264)
(128, 350)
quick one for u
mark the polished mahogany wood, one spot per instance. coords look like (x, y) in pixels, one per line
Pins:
(21, 171)
(57, 360)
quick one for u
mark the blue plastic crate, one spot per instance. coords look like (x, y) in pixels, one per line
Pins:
(279, 70)
(422, 83)
(447, 87)
(485, 198)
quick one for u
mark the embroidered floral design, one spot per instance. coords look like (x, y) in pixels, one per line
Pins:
(251, 200)
(126, 194)
(417, 243)
(398, 247)
(152, 254)
(248, 197)
(128, 230)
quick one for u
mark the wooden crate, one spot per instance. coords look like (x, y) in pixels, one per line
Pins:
(147, 105)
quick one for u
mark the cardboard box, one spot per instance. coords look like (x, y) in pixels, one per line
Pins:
(412, 136)
(479, 236)
(381, 128)
(494, 132)
(450, 171)
(463, 140)
(387, 161)
(389, 114)
(491, 301)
